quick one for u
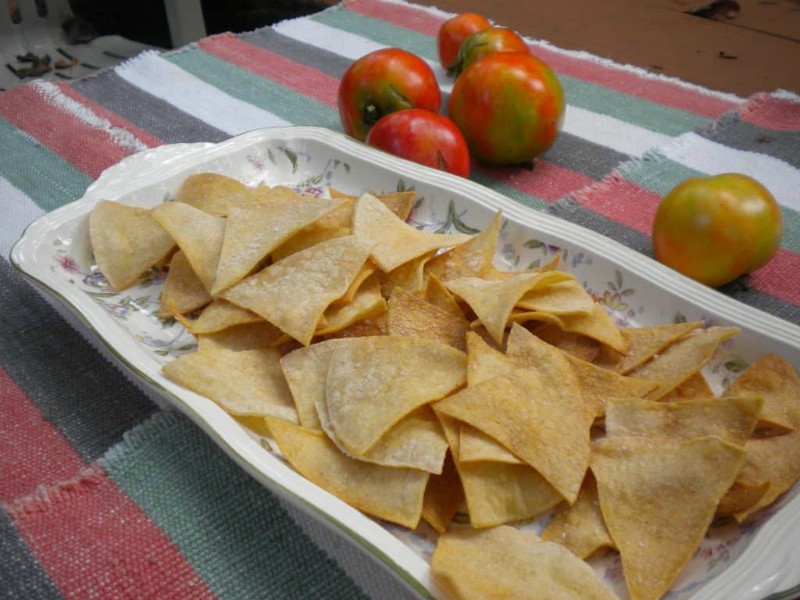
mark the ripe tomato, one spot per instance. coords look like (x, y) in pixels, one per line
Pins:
(453, 32)
(425, 137)
(509, 107)
(485, 42)
(382, 82)
(714, 229)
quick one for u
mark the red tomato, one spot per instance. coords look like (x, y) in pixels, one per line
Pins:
(425, 137)
(382, 82)
(485, 42)
(714, 229)
(453, 32)
(509, 107)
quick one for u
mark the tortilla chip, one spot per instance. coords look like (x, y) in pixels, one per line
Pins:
(310, 236)
(645, 342)
(508, 563)
(197, 233)
(394, 242)
(409, 276)
(392, 494)
(658, 498)
(215, 194)
(563, 298)
(246, 336)
(443, 496)
(575, 344)
(293, 293)
(580, 528)
(598, 326)
(363, 275)
(438, 295)
(731, 419)
(367, 303)
(374, 382)
(694, 387)
(256, 229)
(682, 359)
(493, 301)
(221, 314)
(126, 242)
(412, 316)
(183, 292)
(368, 327)
(741, 498)
(243, 382)
(470, 259)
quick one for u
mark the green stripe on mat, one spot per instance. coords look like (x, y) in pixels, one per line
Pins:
(256, 90)
(37, 172)
(592, 97)
(659, 174)
(241, 541)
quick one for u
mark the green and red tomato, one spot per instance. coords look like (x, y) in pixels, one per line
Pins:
(485, 42)
(714, 229)
(452, 34)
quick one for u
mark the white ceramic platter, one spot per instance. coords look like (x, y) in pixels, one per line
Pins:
(758, 561)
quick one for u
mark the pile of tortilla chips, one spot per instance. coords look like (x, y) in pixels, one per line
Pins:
(401, 371)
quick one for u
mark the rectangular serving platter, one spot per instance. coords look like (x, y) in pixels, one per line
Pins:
(752, 562)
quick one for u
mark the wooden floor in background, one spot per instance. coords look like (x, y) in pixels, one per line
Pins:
(742, 46)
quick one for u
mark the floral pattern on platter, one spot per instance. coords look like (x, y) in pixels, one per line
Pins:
(622, 294)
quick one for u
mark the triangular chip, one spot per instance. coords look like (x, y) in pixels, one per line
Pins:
(658, 498)
(410, 315)
(438, 295)
(575, 344)
(504, 562)
(367, 303)
(471, 259)
(256, 229)
(215, 194)
(197, 233)
(645, 342)
(443, 496)
(563, 298)
(374, 382)
(392, 494)
(246, 336)
(293, 293)
(409, 276)
(394, 242)
(126, 242)
(493, 301)
(183, 292)
(694, 387)
(682, 359)
(221, 314)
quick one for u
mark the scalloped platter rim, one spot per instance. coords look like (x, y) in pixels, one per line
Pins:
(755, 562)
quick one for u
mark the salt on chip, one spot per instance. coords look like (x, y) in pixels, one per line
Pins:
(126, 242)
(493, 301)
(243, 382)
(221, 314)
(505, 562)
(731, 419)
(215, 193)
(197, 233)
(293, 293)
(580, 527)
(183, 292)
(410, 315)
(254, 230)
(392, 494)
(374, 382)
(682, 359)
(470, 259)
(393, 241)
(658, 498)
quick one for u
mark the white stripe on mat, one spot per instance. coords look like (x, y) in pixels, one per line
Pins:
(192, 95)
(18, 212)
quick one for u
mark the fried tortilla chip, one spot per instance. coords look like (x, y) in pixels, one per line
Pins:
(410, 315)
(197, 233)
(438, 295)
(293, 293)
(658, 497)
(215, 194)
(443, 496)
(504, 562)
(221, 314)
(367, 303)
(563, 298)
(575, 344)
(392, 494)
(394, 242)
(409, 276)
(694, 387)
(645, 342)
(470, 259)
(126, 242)
(183, 292)
(374, 382)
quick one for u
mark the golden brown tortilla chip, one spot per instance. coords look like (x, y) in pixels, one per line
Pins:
(221, 314)
(410, 315)
(215, 194)
(443, 496)
(470, 259)
(183, 292)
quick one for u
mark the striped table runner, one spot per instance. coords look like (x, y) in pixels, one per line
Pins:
(102, 494)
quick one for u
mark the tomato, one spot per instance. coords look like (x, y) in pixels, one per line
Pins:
(453, 32)
(382, 82)
(509, 107)
(486, 42)
(714, 229)
(425, 137)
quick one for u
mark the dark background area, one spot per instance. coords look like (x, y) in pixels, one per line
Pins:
(146, 21)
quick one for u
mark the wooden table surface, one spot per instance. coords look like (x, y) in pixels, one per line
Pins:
(750, 46)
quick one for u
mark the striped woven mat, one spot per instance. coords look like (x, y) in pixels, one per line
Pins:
(103, 494)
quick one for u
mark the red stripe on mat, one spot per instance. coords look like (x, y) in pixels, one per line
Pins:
(660, 91)
(624, 202)
(32, 451)
(779, 114)
(546, 181)
(300, 78)
(87, 148)
(94, 542)
(147, 139)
